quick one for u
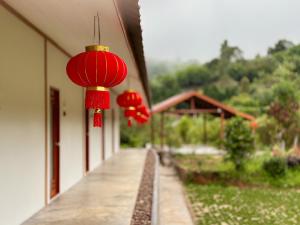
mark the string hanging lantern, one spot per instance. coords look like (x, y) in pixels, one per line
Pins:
(129, 100)
(142, 114)
(97, 69)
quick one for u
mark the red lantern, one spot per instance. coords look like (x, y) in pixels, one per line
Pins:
(142, 109)
(142, 114)
(140, 118)
(129, 100)
(97, 69)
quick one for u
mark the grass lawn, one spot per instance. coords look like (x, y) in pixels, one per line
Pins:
(220, 205)
(253, 173)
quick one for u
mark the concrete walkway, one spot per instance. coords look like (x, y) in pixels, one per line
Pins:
(106, 196)
(173, 208)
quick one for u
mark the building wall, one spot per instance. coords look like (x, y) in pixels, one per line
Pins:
(96, 146)
(116, 125)
(22, 121)
(71, 119)
(108, 134)
(29, 66)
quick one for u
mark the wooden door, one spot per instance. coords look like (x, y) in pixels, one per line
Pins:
(87, 144)
(54, 132)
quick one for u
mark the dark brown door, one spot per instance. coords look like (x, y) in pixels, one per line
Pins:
(87, 147)
(54, 132)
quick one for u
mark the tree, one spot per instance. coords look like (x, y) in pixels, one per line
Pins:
(244, 85)
(281, 45)
(193, 77)
(228, 55)
(239, 142)
(245, 103)
(183, 126)
(285, 105)
(164, 86)
(284, 109)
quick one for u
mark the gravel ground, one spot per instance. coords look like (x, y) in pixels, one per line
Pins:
(143, 206)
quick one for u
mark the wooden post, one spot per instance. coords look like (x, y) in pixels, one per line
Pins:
(222, 126)
(162, 131)
(193, 104)
(152, 131)
(204, 129)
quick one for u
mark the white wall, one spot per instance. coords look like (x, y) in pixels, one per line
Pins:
(116, 125)
(108, 134)
(95, 143)
(72, 124)
(117, 130)
(22, 123)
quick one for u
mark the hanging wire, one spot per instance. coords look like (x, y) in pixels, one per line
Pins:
(99, 36)
(97, 26)
(94, 37)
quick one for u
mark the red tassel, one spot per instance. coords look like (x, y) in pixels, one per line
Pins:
(95, 99)
(129, 123)
(130, 113)
(97, 119)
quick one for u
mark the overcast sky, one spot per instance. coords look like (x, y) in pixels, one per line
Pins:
(194, 29)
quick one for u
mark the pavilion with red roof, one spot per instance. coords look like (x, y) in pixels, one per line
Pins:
(193, 103)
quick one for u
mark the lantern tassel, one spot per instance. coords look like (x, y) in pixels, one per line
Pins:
(130, 113)
(97, 118)
(129, 123)
(95, 99)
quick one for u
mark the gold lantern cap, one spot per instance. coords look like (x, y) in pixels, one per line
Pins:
(97, 48)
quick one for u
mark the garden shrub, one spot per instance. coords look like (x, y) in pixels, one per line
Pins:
(275, 167)
(239, 142)
(293, 162)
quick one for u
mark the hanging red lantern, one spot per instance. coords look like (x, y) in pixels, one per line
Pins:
(142, 114)
(129, 100)
(141, 118)
(97, 69)
(142, 109)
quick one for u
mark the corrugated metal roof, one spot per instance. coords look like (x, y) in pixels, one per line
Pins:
(130, 12)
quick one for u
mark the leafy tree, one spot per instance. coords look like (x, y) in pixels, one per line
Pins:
(237, 70)
(245, 103)
(194, 76)
(281, 45)
(285, 105)
(164, 87)
(228, 54)
(239, 142)
(183, 126)
(284, 109)
(222, 89)
(244, 85)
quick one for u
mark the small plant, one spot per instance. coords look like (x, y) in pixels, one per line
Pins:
(199, 164)
(239, 142)
(275, 167)
(293, 162)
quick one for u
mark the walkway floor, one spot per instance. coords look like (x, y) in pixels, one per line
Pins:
(173, 207)
(106, 196)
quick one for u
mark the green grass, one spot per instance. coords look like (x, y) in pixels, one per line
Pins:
(252, 175)
(213, 204)
(204, 162)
